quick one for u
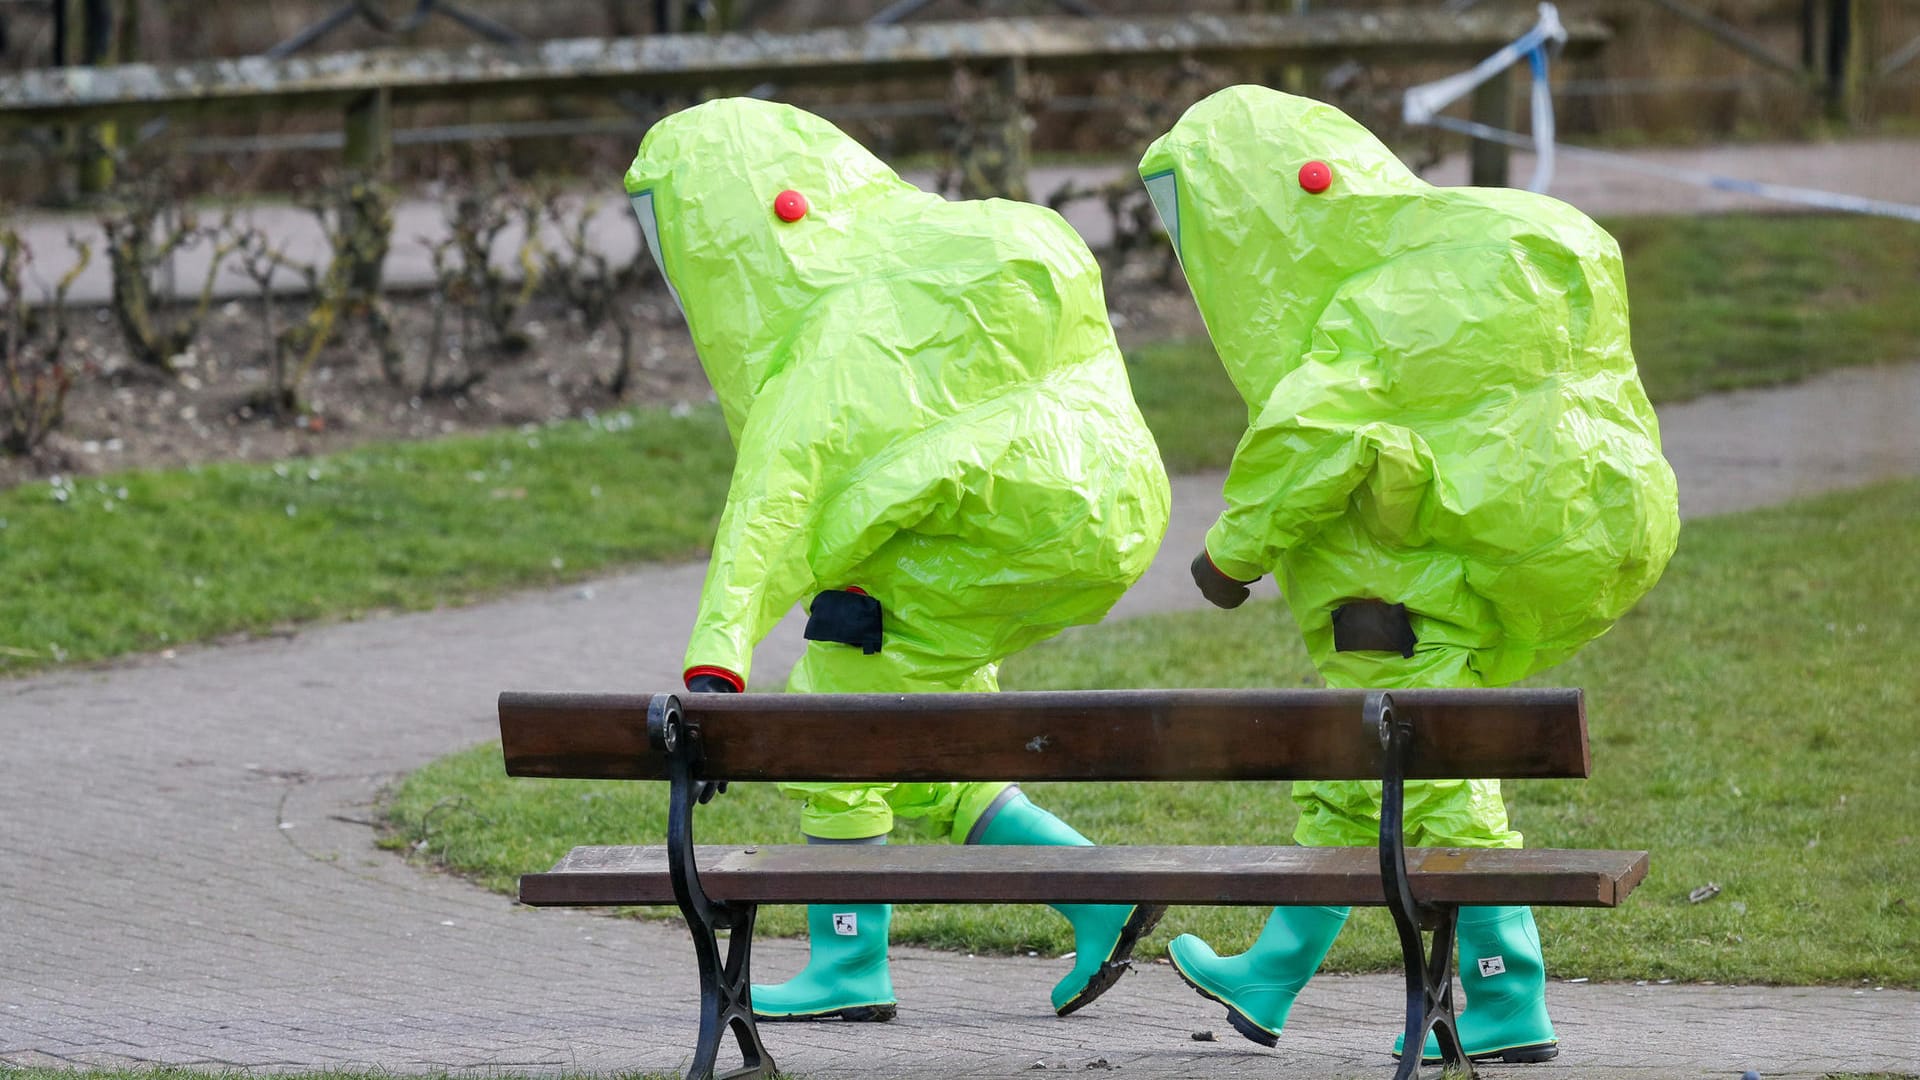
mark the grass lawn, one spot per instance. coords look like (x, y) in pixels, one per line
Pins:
(1721, 303)
(1752, 725)
(143, 560)
(138, 561)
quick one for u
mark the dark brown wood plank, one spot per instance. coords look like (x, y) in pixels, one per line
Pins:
(1169, 875)
(1055, 735)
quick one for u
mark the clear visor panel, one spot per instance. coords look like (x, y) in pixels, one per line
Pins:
(650, 230)
(1164, 190)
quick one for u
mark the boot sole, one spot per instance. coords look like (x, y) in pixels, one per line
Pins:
(1119, 960)
(859, 1014)
(1238, 1019)
(1517, 1055)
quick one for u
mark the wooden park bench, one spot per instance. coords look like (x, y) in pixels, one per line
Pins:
(696, 741)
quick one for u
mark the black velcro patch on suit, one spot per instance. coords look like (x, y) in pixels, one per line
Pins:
(1373, 626)
(849, 618)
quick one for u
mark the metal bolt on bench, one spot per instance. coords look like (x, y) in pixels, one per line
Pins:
(1072, 736)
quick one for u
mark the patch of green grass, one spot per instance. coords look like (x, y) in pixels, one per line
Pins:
(1195, 414)
(1732, 301)
(99, 567)
(1751, 724)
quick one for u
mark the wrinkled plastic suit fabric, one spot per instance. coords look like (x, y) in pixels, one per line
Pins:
(1443, 411)
(926, 400)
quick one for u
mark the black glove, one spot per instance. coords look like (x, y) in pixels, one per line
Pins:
(710, 684)
(1219, 589)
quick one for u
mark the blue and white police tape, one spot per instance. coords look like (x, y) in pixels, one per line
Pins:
(1812, 197)
(1423, 103)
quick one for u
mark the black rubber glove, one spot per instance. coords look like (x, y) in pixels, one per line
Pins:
(1220, 590)
(710, 684)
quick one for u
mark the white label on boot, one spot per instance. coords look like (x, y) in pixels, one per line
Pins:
(1491, 966)
(847, 924)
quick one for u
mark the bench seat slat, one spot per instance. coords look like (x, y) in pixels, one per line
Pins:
(1053, 735)
(1014, 874)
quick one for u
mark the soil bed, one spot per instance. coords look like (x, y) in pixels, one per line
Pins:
(121, 416)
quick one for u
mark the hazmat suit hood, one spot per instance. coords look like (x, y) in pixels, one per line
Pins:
(925, 397)
(739, 273)
(1225, 184)
(1443, 406)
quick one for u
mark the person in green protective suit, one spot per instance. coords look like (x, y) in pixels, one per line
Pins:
(1449, 465)
(937, 449)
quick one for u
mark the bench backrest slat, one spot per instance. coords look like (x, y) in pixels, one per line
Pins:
(1053, 735)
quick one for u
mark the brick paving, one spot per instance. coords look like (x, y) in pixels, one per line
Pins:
(187, 875)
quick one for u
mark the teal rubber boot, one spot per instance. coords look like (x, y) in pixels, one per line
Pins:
(1103, 934)
(1506, 987)
(1259, 985)
(846, 976)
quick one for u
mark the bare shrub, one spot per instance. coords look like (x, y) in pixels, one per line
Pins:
(148, 226)
(355, 214)
(453, 291)
(588, 281)
(262, 261)
(482, 213)
(989, 118)
(33, 342)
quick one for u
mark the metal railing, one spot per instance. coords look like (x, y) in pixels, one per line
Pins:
(365, 86)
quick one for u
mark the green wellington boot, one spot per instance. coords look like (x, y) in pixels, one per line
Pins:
(1506, 986)
(1103, 934)
(846, 976)
(1259, 985)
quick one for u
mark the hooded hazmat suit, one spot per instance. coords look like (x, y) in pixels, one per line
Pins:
(936, 443)
(927, 403)
(1443, 412)
(1449, 464)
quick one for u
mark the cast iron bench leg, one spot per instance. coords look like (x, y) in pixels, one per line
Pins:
(726, 997)
(1429, 995)
(1429, 976)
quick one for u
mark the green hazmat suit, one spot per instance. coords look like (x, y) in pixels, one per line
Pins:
(1443, 412)
(927, 403)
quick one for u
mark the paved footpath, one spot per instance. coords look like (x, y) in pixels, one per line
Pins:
(187, 874)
